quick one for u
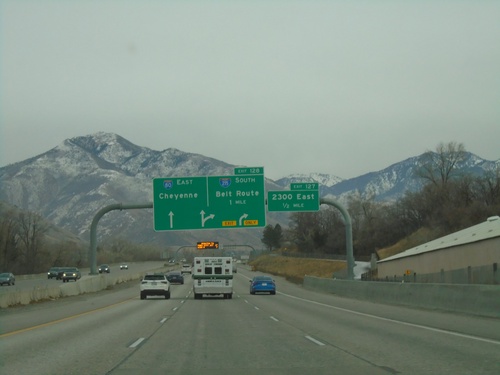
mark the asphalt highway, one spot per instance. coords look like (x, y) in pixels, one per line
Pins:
(293, 332)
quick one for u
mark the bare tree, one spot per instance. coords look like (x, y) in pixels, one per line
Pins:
(488, 188)
(31, 230)
(440, 166)
(9, 241)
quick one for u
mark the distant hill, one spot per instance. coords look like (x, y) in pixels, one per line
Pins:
(70, 183)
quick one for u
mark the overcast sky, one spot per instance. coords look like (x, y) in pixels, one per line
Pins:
(337, 87)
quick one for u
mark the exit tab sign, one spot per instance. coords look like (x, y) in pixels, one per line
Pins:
(304, 186)
(249, 170)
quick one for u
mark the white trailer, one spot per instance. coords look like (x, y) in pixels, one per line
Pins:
(213, 276)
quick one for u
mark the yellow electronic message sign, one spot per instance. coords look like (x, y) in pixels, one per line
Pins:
(207, 245)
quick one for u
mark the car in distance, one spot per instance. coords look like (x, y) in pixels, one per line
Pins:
(71, 273)
(104, 268)
(263, 284)
(124, 266)
(155, 284)
(61, 271)
(175, 277)
(7, 278)
(186, 268)
(53, 273)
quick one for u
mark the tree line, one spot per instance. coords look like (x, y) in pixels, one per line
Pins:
(449, 201)
(28, 246)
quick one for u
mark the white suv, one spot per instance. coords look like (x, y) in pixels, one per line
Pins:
(186, 268)
(155, 284)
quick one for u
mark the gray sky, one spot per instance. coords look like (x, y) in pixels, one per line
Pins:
(338, 87)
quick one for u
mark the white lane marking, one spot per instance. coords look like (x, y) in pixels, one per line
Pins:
(463, 335)
(182, 301)
(163, 320)
(175, 308)
(137, 342)
(315, 341)
(256, 308)
(246, 301)
(273, 318)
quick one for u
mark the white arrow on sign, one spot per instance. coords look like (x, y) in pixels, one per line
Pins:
(204, 219)
(171, 214)
(244, 216)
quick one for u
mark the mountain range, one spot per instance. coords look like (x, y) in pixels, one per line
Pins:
(70, 183)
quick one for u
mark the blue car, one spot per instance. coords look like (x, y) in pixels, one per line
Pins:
(264, 284)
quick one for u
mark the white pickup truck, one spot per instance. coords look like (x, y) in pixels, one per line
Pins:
(213, 276)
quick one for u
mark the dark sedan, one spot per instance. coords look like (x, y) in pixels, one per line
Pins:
(53, 273)
(104, 268)
(7, 278)
(175, 277)
(72, 273)
(264, 284)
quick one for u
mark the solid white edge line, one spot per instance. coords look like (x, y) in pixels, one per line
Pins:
(457, 334)
(273, 318)
(137, 342)
(315, 341)
(163, 320)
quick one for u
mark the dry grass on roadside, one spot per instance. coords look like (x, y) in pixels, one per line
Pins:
(421, 236)
(294, 269)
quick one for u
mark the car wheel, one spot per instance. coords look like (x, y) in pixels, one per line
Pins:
(273, 292)
(167, 295)
(143, 296)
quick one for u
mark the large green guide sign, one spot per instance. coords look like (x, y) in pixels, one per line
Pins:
(210, 202)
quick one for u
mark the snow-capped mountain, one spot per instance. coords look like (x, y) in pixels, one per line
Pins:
(70, 183)
(392, 182)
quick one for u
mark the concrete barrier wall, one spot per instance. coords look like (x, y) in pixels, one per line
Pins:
(87, 284)
(482, 300)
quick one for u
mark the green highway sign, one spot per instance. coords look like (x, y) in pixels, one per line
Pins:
(249, 170)
(304, 186)
(209, 202)
(306, 199)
